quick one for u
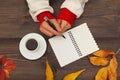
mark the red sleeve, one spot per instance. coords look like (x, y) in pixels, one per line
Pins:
(40, 17)
(67, 15)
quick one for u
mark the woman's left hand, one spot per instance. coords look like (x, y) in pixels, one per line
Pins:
(64, 24)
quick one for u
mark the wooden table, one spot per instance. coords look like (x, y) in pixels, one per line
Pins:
(102, 16)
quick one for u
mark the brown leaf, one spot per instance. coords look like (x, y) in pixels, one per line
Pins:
(73, 76)
(102, 74)
(49, 73)
(103, 53)
(98, 61)
(112, 68)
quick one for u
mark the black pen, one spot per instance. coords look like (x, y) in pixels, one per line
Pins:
(51, 24)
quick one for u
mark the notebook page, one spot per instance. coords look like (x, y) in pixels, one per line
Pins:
(84, 39)
(64, 50)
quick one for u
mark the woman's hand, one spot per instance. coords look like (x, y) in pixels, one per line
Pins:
(48, 30)
(64, 25)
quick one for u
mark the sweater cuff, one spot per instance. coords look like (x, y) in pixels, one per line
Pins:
(67, 15)
(40, 17)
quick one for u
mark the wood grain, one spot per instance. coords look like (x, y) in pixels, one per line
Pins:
(102, 16)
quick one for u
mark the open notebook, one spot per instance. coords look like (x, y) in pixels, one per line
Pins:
(78, 43)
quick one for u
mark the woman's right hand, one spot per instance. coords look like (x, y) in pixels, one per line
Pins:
(48, 30)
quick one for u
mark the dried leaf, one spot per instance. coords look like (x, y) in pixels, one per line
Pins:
(103, 53)
(7, 74)
(49, 73)
(8, 63)
(112, 68)
(73, 76)
(98, 61)
(3, 59)
(6, 66)
(11, 67)
(2, 74)
(102, 74)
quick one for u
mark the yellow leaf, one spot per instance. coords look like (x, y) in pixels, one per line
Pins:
(102, 74)
(103, 53)
(73, 76)
(112, 68)
(98, 61)
(49, 73)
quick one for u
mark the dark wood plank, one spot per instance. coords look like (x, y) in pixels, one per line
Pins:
(15, 21)
(118, 15)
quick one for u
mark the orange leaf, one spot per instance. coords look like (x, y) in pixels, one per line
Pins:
(112, 68)
(98, 61)
(49, 73)
(73, 76)
(9, 62)
(103, 53)
(7, 75)
(102, 74)
(11, 67)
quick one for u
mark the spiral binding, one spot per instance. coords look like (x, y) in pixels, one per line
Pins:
(75, 43)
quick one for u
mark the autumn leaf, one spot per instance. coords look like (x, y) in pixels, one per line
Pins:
(3, 59)
(7, 74)
(98, 61)
(6, 67)
(106, 72)
(73, 76)
(102, 74)
(49, 73)
(2, 74)
(112, 68)
(9, 65)
(103, 53)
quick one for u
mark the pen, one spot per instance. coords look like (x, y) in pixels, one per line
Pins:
(51, 24)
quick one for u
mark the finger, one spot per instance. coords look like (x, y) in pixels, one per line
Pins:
(50, 29)
(59, 21)
(66, 27)
(57, 25)
(63, 24)
(46, 32)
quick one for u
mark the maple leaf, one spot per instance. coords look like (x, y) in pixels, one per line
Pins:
(6, 66)
(2, 74)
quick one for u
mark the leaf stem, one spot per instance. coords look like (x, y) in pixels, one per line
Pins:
(118, 51)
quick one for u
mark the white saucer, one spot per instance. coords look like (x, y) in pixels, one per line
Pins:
(33, 54)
